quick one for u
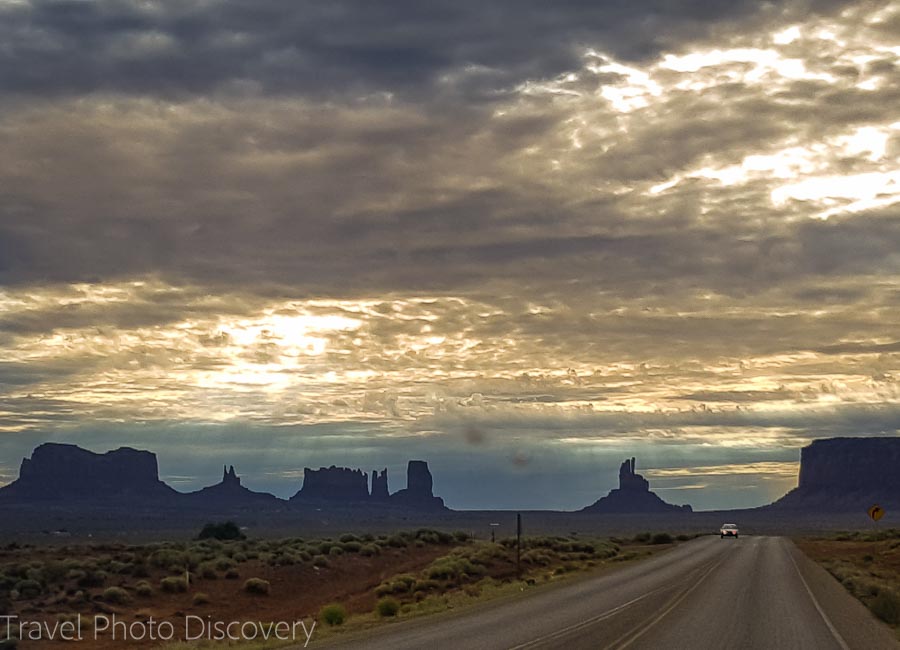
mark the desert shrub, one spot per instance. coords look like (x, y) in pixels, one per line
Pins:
(534, 556)
(397, 541)
(335, 551)
(428, 536)
(207, 571)
(867, 558)
(886, 606)
(320, 561)
(232, 574)
(226, 530)
(75, 574)
(399, 585)
(170, 559)
(483, 554)
(55, 572)
(351, 547)
(139, 569)
(35, 573)
(304, 556)
(683, 537)
(15, 570)
(115, 566)
(200, 598)
(870, 588)
(257, 586)
(116, 595)
(348, 538)
(239, 557)
(426, 585)
(224, 563)
(368, 550)
(143, 589)
(661, 538)
(174, 585)
(28, 588)
(387, 607)
(461, 536)
(642, 538)
(333, 614)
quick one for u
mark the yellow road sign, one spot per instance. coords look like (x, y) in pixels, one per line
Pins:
(876, 512)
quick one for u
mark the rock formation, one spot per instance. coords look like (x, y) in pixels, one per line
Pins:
(629, 480)
(333, 484)
(67, 472)
(419, 493)
(229, 493)
(229, 477)
(380, 485)
(130, 478)
(846, 474)
(632, 496)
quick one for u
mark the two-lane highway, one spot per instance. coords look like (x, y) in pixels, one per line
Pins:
(753, 592)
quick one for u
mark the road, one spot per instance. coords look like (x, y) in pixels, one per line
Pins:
(753, 592)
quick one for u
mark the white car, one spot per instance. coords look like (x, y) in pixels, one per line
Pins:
(728, 530)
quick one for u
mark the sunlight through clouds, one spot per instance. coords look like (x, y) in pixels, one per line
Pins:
(678, 235)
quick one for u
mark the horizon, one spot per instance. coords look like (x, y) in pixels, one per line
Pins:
(290, 480)
(519, 241)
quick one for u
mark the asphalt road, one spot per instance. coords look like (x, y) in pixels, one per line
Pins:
(753, 592)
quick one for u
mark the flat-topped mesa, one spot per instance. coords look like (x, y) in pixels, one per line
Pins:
(418, 494)
(632, 496)
(380, 485)
(333, 484)
(67, 472)
(846, 474)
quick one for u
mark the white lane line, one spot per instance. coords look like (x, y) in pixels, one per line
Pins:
(667, 610)
(837, 635)
(577, 626)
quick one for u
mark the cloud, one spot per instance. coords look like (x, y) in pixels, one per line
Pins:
(348, 46)
(553, 182)
(491, 227)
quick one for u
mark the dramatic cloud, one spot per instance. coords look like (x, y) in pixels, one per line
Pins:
(518, 231)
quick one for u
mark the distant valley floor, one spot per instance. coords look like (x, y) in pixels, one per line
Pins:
(58, 523)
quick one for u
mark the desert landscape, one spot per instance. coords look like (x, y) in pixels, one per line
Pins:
(322, 582)
(100, 547)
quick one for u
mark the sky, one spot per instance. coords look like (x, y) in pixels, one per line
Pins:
(520, 240)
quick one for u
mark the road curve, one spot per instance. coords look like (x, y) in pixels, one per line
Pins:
(753, 592)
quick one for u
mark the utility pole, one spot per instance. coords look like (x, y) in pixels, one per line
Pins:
(518, 544)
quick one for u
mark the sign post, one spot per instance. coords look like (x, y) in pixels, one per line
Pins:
(518, 544)
(876, 512)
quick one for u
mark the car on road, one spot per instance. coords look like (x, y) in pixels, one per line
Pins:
(728, 530)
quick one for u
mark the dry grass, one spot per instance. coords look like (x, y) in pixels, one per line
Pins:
(867, 563)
